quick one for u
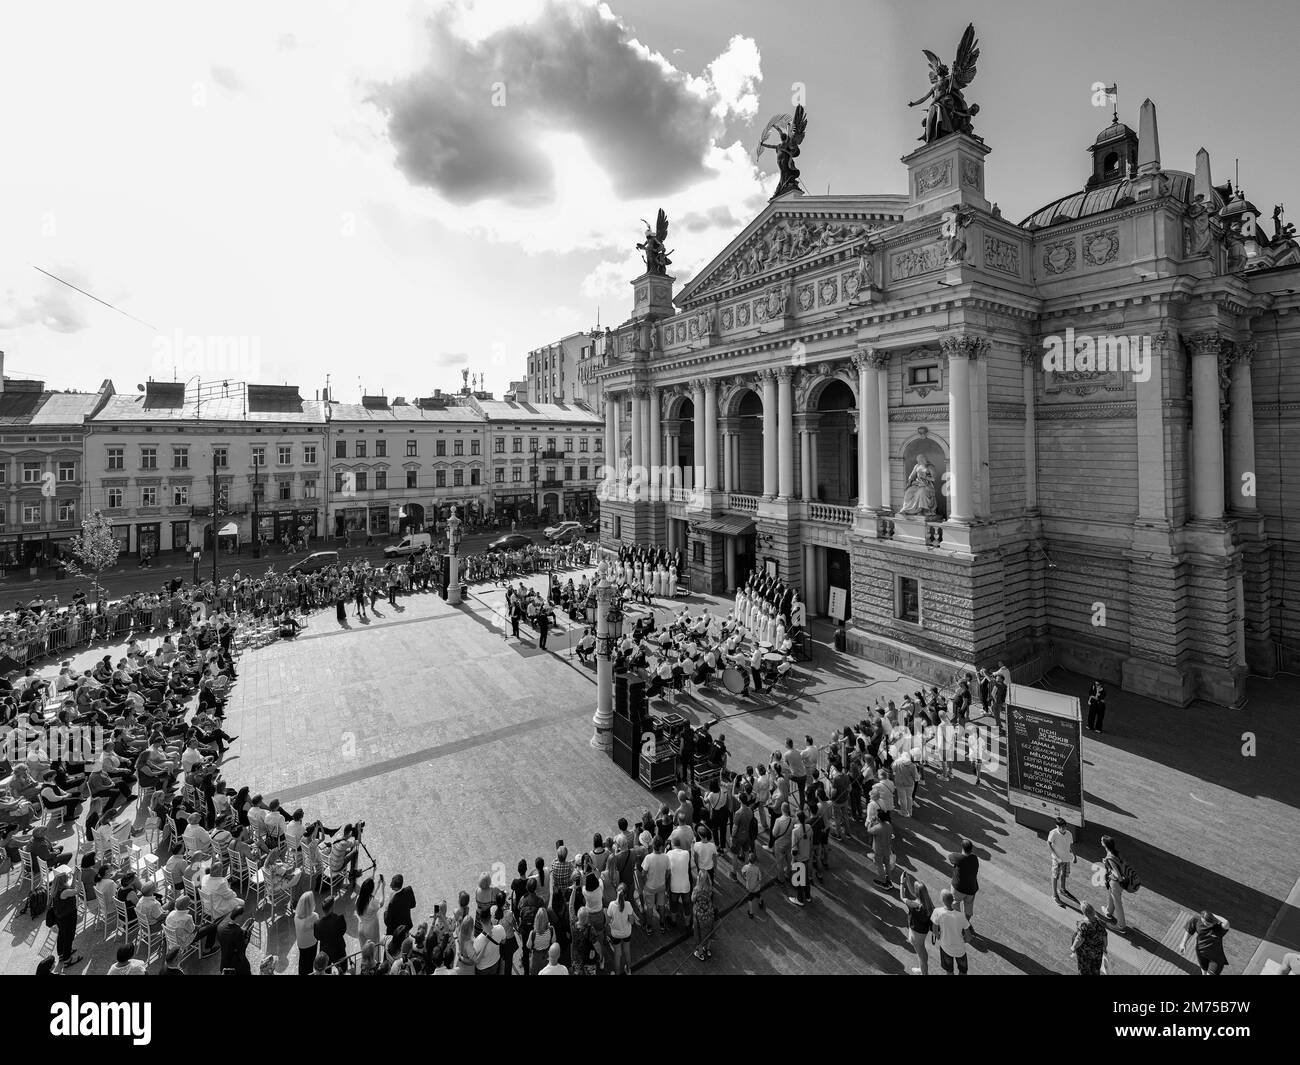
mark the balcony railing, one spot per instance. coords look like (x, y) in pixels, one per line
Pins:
(747, 504)
(555, 483)
(829, 514)
(680, 495)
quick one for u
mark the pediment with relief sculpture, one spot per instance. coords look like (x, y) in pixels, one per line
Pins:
(792, 230)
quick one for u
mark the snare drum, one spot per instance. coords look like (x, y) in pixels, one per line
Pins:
(733, 680)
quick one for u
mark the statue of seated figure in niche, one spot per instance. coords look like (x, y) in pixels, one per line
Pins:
(919, 498)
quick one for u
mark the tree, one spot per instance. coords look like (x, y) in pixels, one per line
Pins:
(94, 549)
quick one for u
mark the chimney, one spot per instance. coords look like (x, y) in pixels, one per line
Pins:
(1148, 140)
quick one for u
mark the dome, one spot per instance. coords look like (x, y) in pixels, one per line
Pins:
(1115, 131)
(1098, 200)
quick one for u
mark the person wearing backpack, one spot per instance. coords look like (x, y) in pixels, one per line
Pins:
(1120, 877)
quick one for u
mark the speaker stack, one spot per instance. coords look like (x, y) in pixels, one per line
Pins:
(629, 720)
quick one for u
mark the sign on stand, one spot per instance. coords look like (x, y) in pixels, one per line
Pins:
(1044, 763)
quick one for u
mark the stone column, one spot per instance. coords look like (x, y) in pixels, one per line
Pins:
(603, 720)
(711, 434)
(868, 431)
(770, 433)
(1210, 357)
(611, 445)
(881, 364)
(807, 426)
(657, 479)
(785, 420)
(728, 461)
(731, 564)
(1030, 359)
(805, 472)
(959, 350)
(809, 577)
(1241, 431)
(697, 399)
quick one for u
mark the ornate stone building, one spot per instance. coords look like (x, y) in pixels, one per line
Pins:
(1030, 442)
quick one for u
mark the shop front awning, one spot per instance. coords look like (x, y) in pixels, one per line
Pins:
(728, 525)
(229, 529)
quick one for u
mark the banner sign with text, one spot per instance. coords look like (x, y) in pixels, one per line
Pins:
(1044, 763)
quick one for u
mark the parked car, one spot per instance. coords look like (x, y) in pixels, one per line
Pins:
(551, 532)
(568, 535)
(317, 560)
(411, 544)
(510, 542)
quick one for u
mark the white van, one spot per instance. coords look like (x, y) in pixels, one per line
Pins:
(410, 545)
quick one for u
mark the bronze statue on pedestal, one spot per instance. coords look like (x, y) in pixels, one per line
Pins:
(791, 131)
(948, 111)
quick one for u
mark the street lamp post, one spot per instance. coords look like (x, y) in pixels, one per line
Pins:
(453, 563)
(257, 525)
(606, 637)
(216, 509)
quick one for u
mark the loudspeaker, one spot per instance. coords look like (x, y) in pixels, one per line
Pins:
(625, 756)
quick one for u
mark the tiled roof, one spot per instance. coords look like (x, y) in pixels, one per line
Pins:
(162, 406)
(46, 408)
(406, 412)
(503, 410)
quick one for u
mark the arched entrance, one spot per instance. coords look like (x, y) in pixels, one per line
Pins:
(836, 476)
(551, 506)
(684, 415)
(410, 519)
(748, 411)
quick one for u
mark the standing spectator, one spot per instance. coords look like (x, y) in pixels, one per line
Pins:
(330, 931)
(1117, 873)
(751, 879)
(795, 767)
(782, 827)
(703, 916)
(916, 897)
(397, 918)
(679, 880)
(654, 898)
(553, 966)
(304, 917)
(1089, 944)
(1060, 845)
(801, 850)
(233, 938)
(1207, 930)
(541, 940)
(965, 879)
(63, 904)
(951, 931)
(621, 919)
(1096, 707)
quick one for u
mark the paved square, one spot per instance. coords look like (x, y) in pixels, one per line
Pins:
(466, 751)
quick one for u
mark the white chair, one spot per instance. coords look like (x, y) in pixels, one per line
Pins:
(125, 921)
(172, 939)
(149, 938)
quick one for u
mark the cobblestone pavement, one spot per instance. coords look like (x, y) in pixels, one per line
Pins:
(466, 750)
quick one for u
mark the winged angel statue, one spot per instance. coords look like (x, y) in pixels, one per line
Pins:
(656, 259)
(949, 112)
(790, 131)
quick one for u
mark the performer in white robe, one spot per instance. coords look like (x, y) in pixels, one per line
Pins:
(672, 581)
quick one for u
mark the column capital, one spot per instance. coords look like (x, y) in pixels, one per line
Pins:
(861, 359)
(1207, 342)
(1244, 352)
(640, 391)
(963, 346)
(766, 374)
(697, 387)
(783, 373)
(711, 384)
(1031, 356)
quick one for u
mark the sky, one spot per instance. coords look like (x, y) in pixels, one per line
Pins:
(383, 194)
